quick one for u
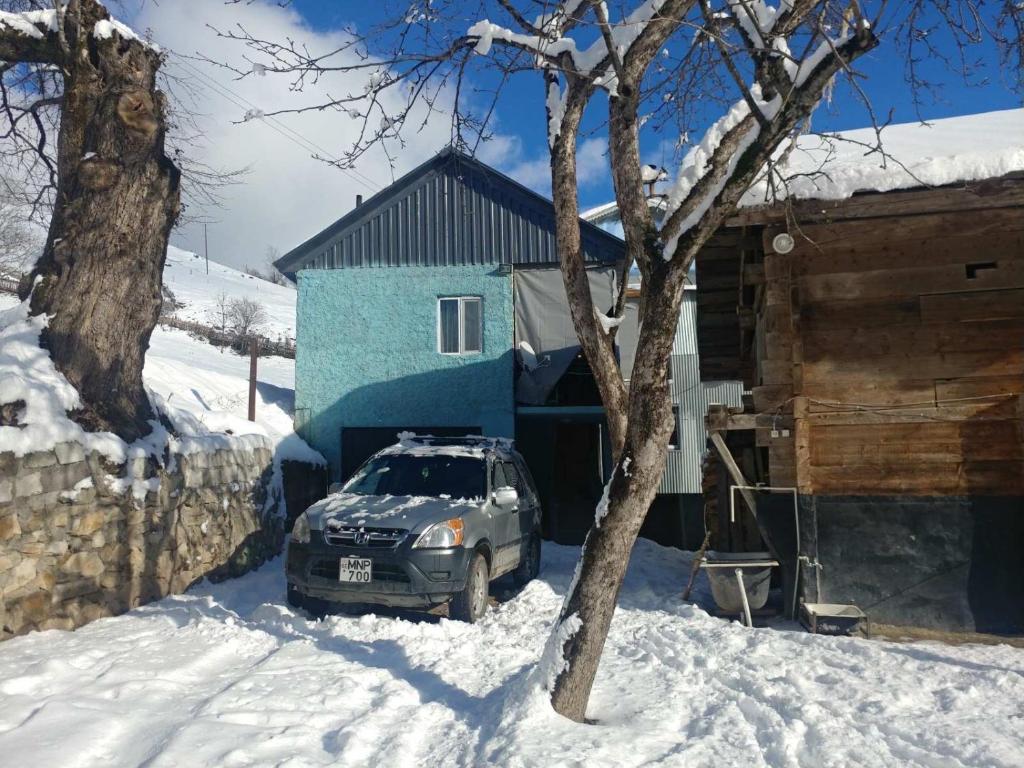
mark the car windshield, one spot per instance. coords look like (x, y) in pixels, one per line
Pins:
(399, 474)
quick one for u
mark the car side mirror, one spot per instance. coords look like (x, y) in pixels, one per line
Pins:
(506, 497)
(335, 488)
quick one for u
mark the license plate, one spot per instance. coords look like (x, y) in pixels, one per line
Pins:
(357, 570)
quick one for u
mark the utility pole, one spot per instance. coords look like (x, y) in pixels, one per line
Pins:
(254, 347)
(206, 248)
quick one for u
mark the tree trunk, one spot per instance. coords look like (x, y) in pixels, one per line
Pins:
(632, 489)
(117, 198)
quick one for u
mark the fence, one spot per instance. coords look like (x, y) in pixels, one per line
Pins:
(221, 338)
(8, 285)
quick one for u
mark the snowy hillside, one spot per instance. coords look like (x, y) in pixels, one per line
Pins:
(185, 274)
(208, 387)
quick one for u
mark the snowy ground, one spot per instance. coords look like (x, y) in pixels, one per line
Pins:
(185, 273)
(228, 675)
(208, 381)
(210, 385)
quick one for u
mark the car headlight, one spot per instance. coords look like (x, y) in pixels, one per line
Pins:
(300, 531)
(441, 535)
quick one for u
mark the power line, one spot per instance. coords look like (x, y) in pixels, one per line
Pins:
(276, 125)
(289, 133)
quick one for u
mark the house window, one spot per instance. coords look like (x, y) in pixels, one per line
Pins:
(459, 325)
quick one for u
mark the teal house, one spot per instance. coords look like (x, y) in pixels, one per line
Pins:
(437, 306)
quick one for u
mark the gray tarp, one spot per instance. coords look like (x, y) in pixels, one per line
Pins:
(544, 323)
(627, 337)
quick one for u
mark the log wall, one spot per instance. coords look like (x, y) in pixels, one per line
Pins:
(895, 349)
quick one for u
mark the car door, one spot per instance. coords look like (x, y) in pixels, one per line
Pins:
(506, 522)
(528, 519)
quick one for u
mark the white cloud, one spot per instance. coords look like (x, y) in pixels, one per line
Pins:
(508, 154)
(287, 196)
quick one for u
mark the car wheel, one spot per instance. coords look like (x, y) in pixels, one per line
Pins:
(295, 598)
(529, 567)
(471, 603)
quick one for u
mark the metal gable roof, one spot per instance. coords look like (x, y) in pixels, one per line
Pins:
(452, 210)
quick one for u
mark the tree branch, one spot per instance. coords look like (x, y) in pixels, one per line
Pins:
(30, 37)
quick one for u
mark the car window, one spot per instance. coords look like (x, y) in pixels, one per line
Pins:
(512, 477)
(526, 479)
(435, 475)
(498, 479)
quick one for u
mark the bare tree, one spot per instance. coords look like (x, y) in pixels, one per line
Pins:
(245, 316)
(270, 273)
(223, 312)
(21, 241)
(81, 108)
(750, 72)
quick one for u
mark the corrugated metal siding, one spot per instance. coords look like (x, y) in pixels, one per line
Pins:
(691, 397)
(457, 213)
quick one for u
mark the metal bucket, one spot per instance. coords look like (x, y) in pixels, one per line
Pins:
(725, 588)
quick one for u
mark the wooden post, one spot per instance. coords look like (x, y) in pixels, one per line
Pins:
(734, 471)
(254, 348)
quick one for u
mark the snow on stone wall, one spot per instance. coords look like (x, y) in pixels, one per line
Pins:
(78, 542)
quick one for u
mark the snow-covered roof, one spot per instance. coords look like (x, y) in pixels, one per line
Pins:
(937, 153)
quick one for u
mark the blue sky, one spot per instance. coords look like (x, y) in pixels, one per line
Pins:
(884, 83)
(287, 195)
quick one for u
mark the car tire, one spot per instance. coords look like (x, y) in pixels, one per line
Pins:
(295, 598)
(471, 603)
(529, 566)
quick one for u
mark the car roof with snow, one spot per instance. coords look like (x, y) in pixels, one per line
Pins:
(466, 446)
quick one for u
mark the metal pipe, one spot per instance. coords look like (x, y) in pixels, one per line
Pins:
(743, 597)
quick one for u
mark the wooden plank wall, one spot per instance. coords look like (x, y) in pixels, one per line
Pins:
(722, 339)
(897, 346)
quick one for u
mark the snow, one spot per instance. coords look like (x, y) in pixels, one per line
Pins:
(203, 390)
(185, 274)
(836, 166)
(28, 374)
(947, 151)
(556, 110)
(206, 389)
(607, 323)
(695, 166)
(28, 22)
(650, 174)
(551, 44)
(105, 29)
(228, 675)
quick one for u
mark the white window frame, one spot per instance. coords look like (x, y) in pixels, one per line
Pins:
(461, 322)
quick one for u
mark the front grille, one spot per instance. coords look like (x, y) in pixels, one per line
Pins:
(369, 538)
(330, 569)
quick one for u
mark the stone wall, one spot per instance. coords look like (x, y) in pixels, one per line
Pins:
(81, 538)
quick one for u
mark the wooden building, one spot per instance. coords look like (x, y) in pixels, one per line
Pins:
(884, 353)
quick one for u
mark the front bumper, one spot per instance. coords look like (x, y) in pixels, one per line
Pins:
(403, 577)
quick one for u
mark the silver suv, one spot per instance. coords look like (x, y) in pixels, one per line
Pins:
(424, 522)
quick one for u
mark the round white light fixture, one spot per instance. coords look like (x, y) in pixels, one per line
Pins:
(783, 242)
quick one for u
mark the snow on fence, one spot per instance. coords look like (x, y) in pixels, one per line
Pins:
(237, 341)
